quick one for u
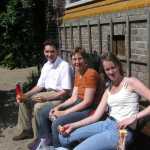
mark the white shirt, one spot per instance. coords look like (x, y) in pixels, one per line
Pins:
(123, 104)
(55, 75)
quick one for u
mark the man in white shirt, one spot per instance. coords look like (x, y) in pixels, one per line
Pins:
(55, 78)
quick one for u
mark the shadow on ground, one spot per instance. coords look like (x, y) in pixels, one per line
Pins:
(8, 109)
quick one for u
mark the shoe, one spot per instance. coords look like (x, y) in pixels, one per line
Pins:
(25, 134)
(33, 145)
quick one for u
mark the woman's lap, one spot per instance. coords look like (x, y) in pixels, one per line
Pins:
(95, 135)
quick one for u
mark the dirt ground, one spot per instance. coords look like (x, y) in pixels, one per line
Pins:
(8, 113)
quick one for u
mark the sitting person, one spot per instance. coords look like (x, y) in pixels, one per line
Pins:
(122, 98)
(79, 105)
(55, 78)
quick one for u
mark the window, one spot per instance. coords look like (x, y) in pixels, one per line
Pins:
(119, 45)
(71, 3)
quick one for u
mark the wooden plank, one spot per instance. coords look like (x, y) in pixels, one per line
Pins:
(128, 48)
(79, 32)
(148, 47)
(65, 36)
(71, 37)
(59, 38)
(111, 36)
(99, 36)
(89, 37)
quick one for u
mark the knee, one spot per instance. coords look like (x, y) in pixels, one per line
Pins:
(55, 125)
(63, 141)
(37, 107)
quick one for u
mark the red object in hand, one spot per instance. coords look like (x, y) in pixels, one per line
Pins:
(62, 128)
(18, 91)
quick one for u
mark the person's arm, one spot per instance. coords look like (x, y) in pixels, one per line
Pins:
(68, 102)
(52, 96)
(31, 92)
(142, 90)
(85, 103)
(92, 78)
(101, 109)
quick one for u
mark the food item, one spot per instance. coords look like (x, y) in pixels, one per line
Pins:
(61, 128)
(52, 117)
(122, 138)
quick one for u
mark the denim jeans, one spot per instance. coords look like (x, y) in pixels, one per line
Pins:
(102, 135)
(72, 117)
(42, 119)
(43, 123)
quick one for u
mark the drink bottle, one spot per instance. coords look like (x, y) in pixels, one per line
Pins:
(42, 145)
(18, 92)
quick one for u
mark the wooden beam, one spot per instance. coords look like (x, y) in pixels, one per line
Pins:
(148, 47)
(111, 35)
(99, 36)
(89, 37)
(128, 71)
(71, 36)
(79, 33)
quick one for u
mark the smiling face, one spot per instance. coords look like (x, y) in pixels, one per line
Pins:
(50, 53)
(111, 70)
(79, 62)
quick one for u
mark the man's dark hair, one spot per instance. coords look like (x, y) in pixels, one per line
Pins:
(51, 43)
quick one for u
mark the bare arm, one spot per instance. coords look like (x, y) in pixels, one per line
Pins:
(68, 102)
(88, 99)
(142, 90)
(86, 102)
(34, 90)
(71, 100)
(91, 119)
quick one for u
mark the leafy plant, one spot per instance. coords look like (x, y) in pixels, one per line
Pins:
(31, 81)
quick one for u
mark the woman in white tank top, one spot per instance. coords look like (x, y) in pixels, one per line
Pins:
(122, 99)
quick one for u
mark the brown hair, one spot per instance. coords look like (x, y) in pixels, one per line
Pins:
(81, 51)
(51, 43)
(111, 57)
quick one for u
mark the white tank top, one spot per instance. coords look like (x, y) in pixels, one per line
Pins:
(123, 104)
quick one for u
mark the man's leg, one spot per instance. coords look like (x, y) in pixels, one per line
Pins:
(24, 121)
(40, 121)
(41, 111)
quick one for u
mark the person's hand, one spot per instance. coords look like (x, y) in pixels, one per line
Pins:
(66, 129)
(126, 122)
(21, 98)
(53, 110)
(58, 113)
(40, 99)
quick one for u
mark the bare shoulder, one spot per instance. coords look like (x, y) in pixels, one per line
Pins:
(133, 82)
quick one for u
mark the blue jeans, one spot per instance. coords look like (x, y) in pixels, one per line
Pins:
(43, 123)
(72, 117)
(102, 135)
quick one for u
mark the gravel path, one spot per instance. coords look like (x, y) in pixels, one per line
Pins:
(8, 114)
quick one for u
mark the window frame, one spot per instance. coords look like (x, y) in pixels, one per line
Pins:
(69, 4)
